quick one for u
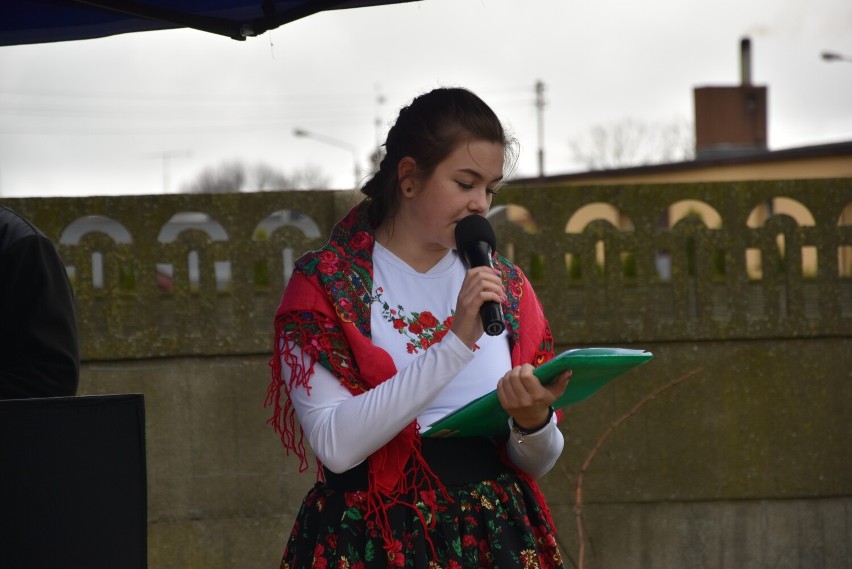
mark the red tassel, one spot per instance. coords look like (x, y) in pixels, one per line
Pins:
(283, 419)
(417, 481)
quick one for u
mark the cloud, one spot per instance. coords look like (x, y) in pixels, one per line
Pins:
(77, 117)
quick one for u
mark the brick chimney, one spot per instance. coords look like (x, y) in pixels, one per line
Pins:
(731, 121)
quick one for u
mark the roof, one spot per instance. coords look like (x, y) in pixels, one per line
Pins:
(831, 150)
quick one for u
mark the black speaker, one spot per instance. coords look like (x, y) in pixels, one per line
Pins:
(73, 483)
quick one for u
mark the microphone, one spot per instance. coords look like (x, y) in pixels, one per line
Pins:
(475, 241)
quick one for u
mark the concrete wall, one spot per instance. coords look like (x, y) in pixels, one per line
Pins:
(747, 463)
(221, 493)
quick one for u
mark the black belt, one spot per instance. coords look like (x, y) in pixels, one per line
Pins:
(455, 461)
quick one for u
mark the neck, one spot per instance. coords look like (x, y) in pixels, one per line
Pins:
(420, 257)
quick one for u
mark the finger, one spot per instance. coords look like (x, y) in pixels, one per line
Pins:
(526, 390)
(557, 388)
(504, 385)
(485, 281)
(479, 287)
(507, 385)
(503, 394)
(529, 382)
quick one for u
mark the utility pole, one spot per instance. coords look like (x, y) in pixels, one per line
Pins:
(166, 157)
(376, 155)
(380, 101)
(539, 104)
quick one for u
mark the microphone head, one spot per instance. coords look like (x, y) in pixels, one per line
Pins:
(472, 229)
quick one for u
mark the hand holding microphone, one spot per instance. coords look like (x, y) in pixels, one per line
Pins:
(475, 242)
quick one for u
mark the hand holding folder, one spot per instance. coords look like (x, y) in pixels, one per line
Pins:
(592, 368)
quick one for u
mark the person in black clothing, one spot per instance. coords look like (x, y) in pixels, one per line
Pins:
(39, 353)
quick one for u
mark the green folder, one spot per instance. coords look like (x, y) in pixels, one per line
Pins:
(592, 368)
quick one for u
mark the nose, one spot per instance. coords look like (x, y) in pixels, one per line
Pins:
(479, 202)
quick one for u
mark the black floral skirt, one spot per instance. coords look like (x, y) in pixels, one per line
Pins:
(492, 522)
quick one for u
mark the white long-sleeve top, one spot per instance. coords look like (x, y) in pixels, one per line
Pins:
(433, 379)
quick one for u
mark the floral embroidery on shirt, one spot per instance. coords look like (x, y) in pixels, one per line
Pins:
(421, 328)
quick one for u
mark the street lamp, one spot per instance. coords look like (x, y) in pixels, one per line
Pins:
(834, 56)
(300, 132)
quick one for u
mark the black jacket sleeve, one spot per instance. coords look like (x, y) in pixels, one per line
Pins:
(39, 353)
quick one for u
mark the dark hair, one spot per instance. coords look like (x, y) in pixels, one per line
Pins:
(428, 130)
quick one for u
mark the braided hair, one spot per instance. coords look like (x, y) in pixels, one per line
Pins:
(428, 130)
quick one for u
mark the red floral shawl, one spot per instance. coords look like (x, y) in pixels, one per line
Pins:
(325, 310)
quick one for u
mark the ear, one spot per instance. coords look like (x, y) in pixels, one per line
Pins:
(406, 170)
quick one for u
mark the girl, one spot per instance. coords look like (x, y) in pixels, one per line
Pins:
(378, 335)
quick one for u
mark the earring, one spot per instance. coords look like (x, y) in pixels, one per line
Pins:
(409, 189)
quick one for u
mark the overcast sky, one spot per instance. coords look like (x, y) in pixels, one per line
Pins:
(144, 113)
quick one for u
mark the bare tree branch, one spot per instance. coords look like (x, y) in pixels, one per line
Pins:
(578, 501)
(237, 177)
(633, 143)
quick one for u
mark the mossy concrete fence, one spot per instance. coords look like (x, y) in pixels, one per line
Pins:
(747, 463)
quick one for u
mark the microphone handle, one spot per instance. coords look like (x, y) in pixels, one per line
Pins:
(479, 255)
(491, 315)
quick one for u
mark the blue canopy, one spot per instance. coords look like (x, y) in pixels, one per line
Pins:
(43, 21)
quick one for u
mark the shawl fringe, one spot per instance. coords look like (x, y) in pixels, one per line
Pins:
(417, 480)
